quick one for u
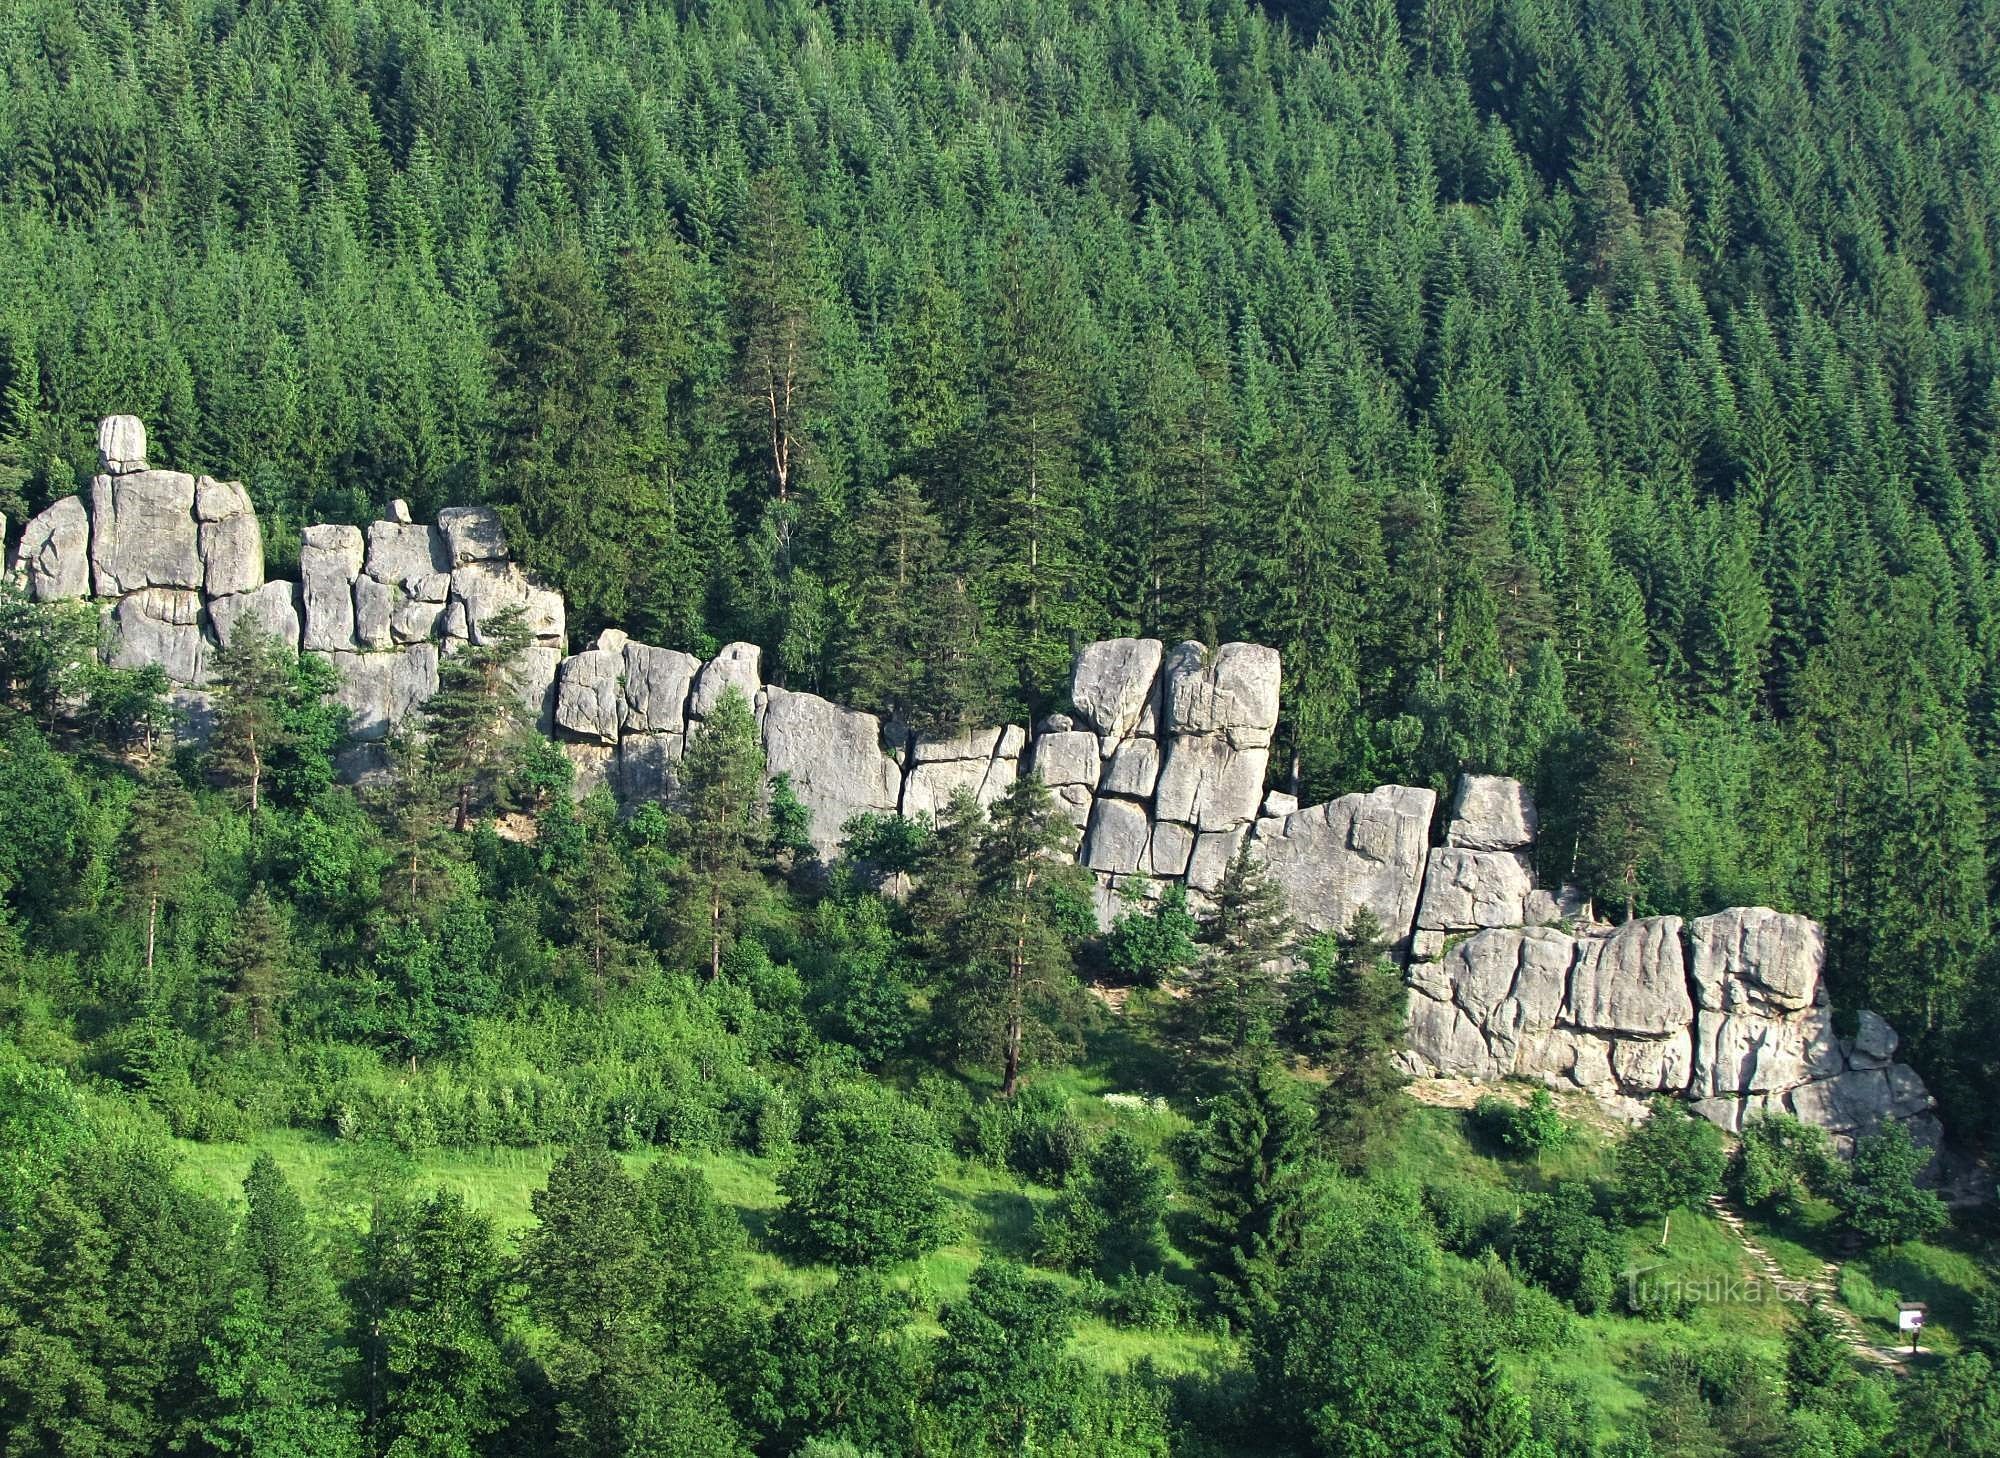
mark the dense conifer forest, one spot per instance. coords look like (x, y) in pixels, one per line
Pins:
(1601, 393)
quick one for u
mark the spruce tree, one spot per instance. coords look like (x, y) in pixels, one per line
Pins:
(1014, 999)
(721, 824)
(1250, 1186)
(471, 729)
(1238, 981)
(160, 840)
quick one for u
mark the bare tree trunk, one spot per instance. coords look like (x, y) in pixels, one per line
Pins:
(715, 932)
(152, 923)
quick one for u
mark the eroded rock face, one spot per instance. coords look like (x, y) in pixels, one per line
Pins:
(1208, 783)
(482, 591)
(53, 555)
(406, 554)
(471, 534)
(1113, 683)
(1758, 957)
(1068, 759)
(1465, 890)
(161, 625)
(1233, 691)
(736, 665)
(121, 444)
(143, 533)
(1119, 837)
(329, 560)
(228, 539)
(1491, 813)
(382, 690)
(1360, 850)
(657, 681)
(1159, 771)
(272, 607)
(1631, 980)
(590, 695)
(834, 757)
(983, 762)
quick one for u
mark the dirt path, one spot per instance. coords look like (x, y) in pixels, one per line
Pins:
(1823, 1287)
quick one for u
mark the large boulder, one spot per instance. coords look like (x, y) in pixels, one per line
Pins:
(656, 688)
(381, 690)
(1468, 889)
(1209, 783)
(1751, 1052)
(330, 559)
(589, 696)
(228, 538)
(471, 534)
(1113, 682)
(1068, 758)
(835, 760)
(375, 605)
(273, 607)
(1232, 691)
(1134, 770)
(53, 554)
(1754, 955)
(406, 553)
(142, 532)
(161, 625)
(1360, 850)
(735, 665)
(121, 444)
(1491, 813)
(1118, 837)
(1172, 848)
(1505, 986)
(983, 762)
(1631, 980)
(483, 590)
(648, 767)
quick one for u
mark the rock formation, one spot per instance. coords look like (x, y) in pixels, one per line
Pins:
(1728, 1011)
(1159, 766)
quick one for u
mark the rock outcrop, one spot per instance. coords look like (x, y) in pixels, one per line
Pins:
(1728, 1011)
(1159, 765)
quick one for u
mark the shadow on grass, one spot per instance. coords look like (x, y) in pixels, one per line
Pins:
(1005, 1221)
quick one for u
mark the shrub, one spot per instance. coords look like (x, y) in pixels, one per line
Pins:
(1149, 1303)
(1046, 1143)
(1672, 1161)
(861, 1189)
(1563, 1245)
(1149, 947)
(1879, 1200)
(1779, 1162)
(1535, 1127)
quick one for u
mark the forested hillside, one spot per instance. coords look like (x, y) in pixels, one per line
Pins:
(1605, 394)
(1602, 393)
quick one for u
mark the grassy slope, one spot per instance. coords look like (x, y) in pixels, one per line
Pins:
(994, 1213)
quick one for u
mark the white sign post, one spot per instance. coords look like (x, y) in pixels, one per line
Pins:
(1910, 1318)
